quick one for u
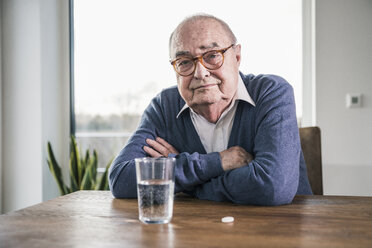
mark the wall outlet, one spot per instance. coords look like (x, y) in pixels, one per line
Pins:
(353, 100)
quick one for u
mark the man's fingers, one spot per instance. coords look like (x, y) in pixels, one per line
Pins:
(167, 145)
(235, 157)
(163, 142)
(151, 152)
(158, 147)
(161, 146)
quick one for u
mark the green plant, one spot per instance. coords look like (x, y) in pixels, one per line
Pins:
(83, 170)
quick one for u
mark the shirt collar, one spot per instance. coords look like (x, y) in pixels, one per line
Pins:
(241, 94)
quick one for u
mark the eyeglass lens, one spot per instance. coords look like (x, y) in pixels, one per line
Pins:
(211, 60)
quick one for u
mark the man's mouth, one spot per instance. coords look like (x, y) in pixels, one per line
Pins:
(205, 86)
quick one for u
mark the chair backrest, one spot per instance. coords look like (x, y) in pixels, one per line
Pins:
(311, 148)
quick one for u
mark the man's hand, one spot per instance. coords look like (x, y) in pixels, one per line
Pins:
(235, 157)
(158, 148)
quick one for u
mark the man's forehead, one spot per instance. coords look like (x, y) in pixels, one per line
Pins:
(198, 36)
(211, 45)
(180, 51)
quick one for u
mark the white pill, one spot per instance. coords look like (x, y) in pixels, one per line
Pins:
(227, 219)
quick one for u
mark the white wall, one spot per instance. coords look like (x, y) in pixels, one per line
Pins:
(1, 133)
(344, 65)
(34, 97)
(55, 87)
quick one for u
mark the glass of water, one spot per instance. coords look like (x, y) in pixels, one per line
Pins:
(155, 189)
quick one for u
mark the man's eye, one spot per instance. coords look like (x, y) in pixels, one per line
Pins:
(184, 62)
(212, 56)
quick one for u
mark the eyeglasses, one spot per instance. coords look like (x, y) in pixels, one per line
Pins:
(212, 60)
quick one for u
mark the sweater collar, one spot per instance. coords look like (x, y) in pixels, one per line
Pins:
(241, 94)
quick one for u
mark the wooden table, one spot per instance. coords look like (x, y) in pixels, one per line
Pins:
(96, 219)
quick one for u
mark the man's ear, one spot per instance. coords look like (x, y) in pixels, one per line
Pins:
(238, 53)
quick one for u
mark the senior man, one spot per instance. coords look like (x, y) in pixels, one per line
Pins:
(234, 136)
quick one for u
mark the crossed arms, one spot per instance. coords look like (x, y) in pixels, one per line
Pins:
(231, 158)
(260, 168)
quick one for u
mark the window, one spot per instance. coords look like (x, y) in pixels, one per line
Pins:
(113, 36)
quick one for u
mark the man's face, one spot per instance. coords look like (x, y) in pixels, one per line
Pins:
(206, 87)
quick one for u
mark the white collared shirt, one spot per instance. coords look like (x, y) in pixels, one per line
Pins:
(215, 136)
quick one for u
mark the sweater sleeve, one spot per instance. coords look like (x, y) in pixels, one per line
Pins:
(272, 177)
(191, 169)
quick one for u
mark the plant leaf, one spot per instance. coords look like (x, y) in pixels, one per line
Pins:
(83, 171)
(103, 183)
(73, 172)
(85, 162)
(86, 183)
(56, 171)
(87, 157)
(75, 164)
(94, 167)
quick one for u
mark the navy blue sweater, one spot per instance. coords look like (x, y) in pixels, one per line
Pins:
(268, 131)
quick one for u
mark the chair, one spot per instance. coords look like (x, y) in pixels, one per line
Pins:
(311, 148)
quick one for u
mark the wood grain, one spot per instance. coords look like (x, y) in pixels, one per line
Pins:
(96, 219)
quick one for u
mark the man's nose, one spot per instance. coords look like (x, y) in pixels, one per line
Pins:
(200, 71)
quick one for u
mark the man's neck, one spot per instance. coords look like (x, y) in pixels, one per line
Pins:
(212, 112)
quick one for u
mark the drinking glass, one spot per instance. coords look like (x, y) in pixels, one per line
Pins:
(155, 189)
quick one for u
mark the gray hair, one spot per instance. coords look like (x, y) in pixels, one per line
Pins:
(201, 16)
